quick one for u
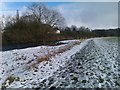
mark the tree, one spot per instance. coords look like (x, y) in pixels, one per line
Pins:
(44, 15)
(1, 24)
(17, 16)
(36, 10)
(73, 28)
(54, 18)
(82, 28)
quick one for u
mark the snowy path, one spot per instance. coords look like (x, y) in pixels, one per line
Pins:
(93, 66)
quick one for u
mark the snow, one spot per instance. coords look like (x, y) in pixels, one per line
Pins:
(68, 41)
(90, 64)
(14, 63)
(94, 66)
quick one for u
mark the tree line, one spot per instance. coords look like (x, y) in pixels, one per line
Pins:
(38, 25)
(83, 32)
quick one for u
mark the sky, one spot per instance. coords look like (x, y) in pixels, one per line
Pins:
(89, 14)
(59, 0)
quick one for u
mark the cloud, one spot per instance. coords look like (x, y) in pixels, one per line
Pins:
(89, 14)
(92, 15)
(22, 10)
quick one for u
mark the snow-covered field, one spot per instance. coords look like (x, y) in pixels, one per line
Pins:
(90, 64)
(15, 64)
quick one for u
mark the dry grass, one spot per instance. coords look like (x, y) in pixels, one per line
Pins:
(10, 80)
(44, 58)
(53, 54)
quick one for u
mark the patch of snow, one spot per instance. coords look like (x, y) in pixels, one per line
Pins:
(68, 41)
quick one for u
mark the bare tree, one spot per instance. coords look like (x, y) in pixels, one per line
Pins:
(44, 15)
(82, 28)
(36, 9)
(9, 20)
(54, 18)
(73, 28)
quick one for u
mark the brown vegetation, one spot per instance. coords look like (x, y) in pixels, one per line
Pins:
(51, 54)
(10, 80)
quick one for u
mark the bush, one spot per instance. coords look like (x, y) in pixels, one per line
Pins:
(23, 32)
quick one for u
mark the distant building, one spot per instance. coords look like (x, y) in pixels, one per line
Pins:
(57, 31)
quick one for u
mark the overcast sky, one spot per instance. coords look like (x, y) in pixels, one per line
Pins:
(89, 14)
(92, 15)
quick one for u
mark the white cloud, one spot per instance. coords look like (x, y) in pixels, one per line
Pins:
(92, 15)
(22, 10)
